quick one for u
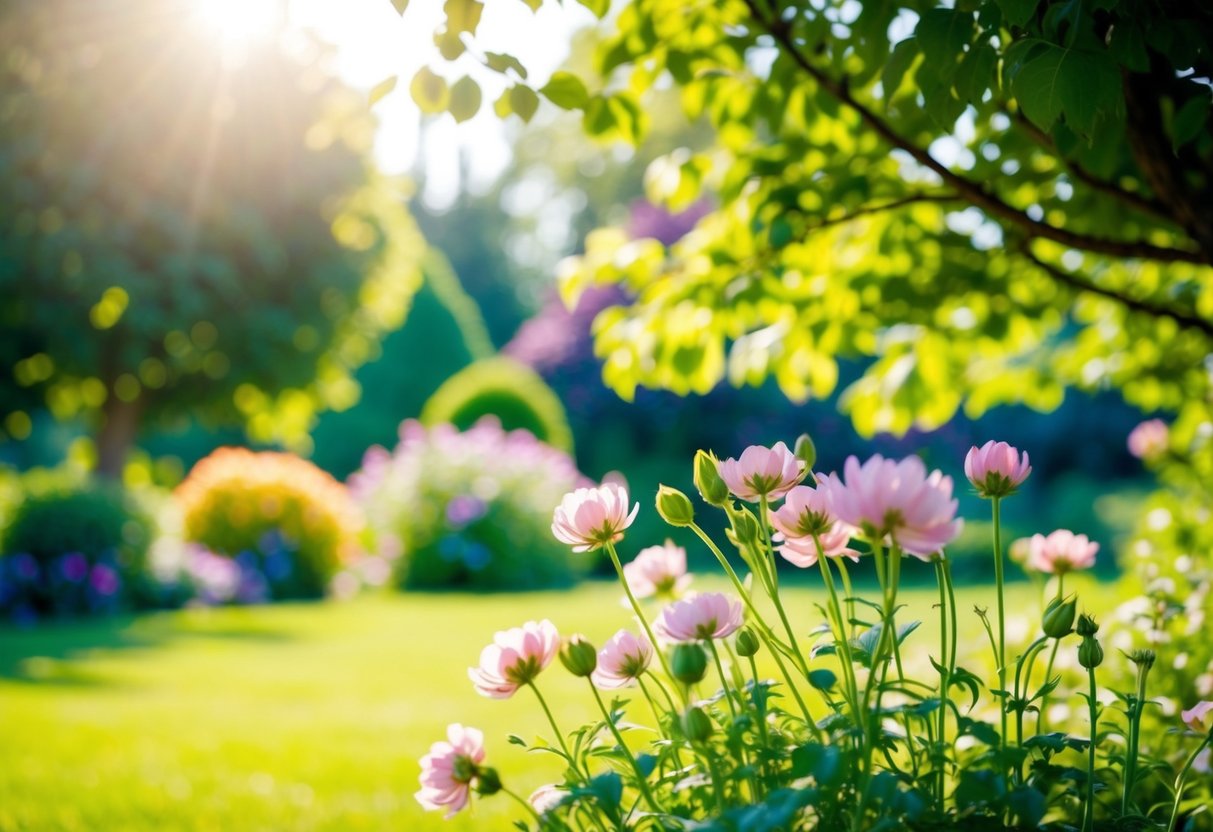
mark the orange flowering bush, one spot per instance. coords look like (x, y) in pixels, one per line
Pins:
(295, 521)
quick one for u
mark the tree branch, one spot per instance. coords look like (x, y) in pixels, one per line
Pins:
(881, 208)
(1185, 319)
(974, 192)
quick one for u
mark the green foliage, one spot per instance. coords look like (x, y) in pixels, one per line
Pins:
(469, 509)
(204, 240)
(237, 501)
(979, 204)
(503, 388)
(443, 334)
(94, 519)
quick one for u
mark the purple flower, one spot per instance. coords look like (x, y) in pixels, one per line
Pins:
(74, 567)
(104, 580)
(465, 509)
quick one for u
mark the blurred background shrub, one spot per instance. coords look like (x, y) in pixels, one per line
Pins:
(506, 389)
(274, 512)
(71, 546)
(469, 509)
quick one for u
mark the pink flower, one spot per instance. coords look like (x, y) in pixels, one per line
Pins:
(546, 798)
(706, 615)
(769, 472)
(448, 770)
(589, 518)
(1150, 439)
(1062, 551)
(515, 657)
(1200, 717)
(806, 513)
(996, 469)
(658, 570)
(622, 660)
(896, 501)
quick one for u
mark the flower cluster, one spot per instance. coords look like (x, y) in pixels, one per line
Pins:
(468, 508)
(844, 735)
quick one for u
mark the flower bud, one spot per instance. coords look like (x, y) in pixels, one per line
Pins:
(747, 642)
(806, 451)
(1090, 654)
(488, 781)
(1142, 658)
(745, 527)
(697, 725)
(1058, 619)
(578, 656)
(688, 662)
(674, 506)
(1086, 626)
(708, 480)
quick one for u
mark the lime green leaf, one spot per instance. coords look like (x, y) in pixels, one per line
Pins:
(462, 15)
(382, 88)
(501, 62)
(523, 101)
(430, 91)
(598, 7)
(450, 44)
(533, 5)
(465, 99)
(400, 5)
(566, 91)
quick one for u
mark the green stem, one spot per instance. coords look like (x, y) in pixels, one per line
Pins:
(724, 682)
(648, 631)
(850, 595)
(656, 709)
(764, 631)
(773, 591)
(1139, 704)
(1179, 782)
(555, 728)
(1001, 658)
(1041, 719)
(717, 784)
(641, 782)
(1027, 658)
(844, 645)
(1088, 817)
(943, 682)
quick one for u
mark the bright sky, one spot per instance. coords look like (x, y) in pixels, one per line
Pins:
(373, 42)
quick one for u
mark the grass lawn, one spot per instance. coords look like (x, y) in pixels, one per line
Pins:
(306, 717)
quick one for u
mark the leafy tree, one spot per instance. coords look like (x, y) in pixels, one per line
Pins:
(187, 231)
(985, 203)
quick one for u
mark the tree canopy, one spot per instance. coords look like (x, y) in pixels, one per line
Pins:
(187, 231)
(981, 203)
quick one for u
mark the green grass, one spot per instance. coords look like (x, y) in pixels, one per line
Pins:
(307, 717)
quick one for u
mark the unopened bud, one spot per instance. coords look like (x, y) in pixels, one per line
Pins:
(488, 781)
(707, 479)
(674, 506)
(689, 663)
(697, 725)
(1090, 654)
(1058, 619)
(1142, 658)
(806, 451)
(745, 527)
(1086, 626)
(747, 642)
(578, 656)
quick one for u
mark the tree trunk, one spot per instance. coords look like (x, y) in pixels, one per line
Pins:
(117, 435)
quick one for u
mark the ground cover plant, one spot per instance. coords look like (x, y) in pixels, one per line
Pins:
(843, 736)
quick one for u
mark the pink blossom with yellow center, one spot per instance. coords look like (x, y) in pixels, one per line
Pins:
(624, 658)
(658, 570)
(1061, 551)
(996, 469)
(805, 514)
(762, 472)
(896, 502)
(705, 615)
(515, 658)
(448, 770)
(589, 518)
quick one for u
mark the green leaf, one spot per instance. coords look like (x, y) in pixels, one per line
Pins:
(943, 35)
(598, 7)
(896, 67)
(462, 15)
(823, 679)
(400, 5)
(1037, 87)
(1188, 122)
(465, 99)
(977, 73)
(1017, 12)
(430, 91)
(533, 5)
(1128, 47)
(523, 101)
(501, 62)
(382, 88)
(566, 91)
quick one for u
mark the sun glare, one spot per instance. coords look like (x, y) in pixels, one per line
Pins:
(237, 22)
